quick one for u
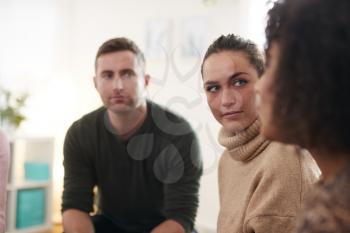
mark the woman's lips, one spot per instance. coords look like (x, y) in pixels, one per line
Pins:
(231, 114)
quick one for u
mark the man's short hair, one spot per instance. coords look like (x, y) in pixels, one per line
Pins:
(236, 43)
(121, 44)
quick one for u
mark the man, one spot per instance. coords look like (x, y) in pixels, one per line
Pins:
(144, 159)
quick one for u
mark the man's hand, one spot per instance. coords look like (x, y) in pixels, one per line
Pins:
(76, 221)
(168, 226)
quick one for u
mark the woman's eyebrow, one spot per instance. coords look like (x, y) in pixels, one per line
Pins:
(229, 78)
(236, 75)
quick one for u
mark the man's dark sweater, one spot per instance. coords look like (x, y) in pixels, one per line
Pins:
(149, 178)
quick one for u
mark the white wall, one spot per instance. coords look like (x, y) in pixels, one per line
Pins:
(49, 51)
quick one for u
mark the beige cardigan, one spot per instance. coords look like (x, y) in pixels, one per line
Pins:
(261, 184)
(4, 162)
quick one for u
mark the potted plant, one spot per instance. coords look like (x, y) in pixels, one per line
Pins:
(10, 110)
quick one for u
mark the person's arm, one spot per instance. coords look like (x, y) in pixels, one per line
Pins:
(79, 180)
(169, 226)
(277, 195)
(4, 165)
(180, 171)
(76, 221)
(273, 223)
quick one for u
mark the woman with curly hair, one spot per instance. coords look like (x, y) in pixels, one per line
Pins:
(261, 183)
(4, 162)
(304, 98)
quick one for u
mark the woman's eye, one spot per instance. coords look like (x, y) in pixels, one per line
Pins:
(212, 88)
(239, 82)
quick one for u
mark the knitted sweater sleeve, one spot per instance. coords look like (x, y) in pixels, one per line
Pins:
(4, 163)
(276, 198)
(79, 178)
(275, 224)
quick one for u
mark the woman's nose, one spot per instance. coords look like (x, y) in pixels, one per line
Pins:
(228, 98)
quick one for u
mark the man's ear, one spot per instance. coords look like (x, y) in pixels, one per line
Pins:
(147, 78)
(95, 82)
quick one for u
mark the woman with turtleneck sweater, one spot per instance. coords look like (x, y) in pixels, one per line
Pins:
(261, 183)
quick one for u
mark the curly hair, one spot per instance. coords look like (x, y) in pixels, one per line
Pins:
(236, 43)
(276, 17)
(313, 75)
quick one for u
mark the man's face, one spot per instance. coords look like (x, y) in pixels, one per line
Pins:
(120, 81)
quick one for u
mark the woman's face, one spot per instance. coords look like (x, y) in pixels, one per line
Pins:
(229, 80)
(265, 94)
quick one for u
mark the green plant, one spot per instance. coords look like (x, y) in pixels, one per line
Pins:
(209, 2)
(10, 108)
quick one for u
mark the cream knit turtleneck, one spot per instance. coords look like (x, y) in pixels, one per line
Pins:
(261, 183)
(246, 144)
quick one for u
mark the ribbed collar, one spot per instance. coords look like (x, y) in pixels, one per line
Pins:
(245, 145)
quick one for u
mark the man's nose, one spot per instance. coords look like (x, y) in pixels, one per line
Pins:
(118, 84)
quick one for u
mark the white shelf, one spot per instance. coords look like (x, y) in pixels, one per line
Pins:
(28, 185)
(38, 229)
(34, 150)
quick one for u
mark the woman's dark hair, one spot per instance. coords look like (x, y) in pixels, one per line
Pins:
(313, 76)
(236, 43)
(276, 18)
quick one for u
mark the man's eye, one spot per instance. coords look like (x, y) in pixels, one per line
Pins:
(127, 75)
(107, 76)
(239, 82)
(212, 88)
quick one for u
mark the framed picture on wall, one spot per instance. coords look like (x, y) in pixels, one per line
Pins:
(158, 34)
(194, 36)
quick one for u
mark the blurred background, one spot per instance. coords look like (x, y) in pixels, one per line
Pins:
(47, 52)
